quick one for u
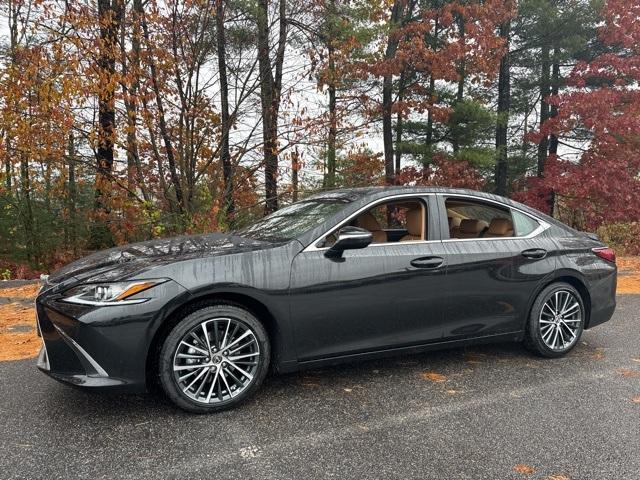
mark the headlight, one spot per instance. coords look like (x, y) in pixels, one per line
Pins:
(109, 293)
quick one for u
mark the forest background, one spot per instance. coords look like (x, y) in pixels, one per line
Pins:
(125, 120)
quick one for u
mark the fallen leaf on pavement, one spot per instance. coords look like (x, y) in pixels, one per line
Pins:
(636, 399)
(524, 469)
(598, 354)
(637, 360)
(433, 376)
(558, 477)
(627, 373)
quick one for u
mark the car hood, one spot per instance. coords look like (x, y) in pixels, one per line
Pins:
(122, 262)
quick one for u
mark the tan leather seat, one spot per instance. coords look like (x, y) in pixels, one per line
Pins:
(500, 227)
(369, 222)
(454, 226)
(471, 228)
(415, 221)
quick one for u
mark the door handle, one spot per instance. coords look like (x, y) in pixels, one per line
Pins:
(427, 262)
(535, 253)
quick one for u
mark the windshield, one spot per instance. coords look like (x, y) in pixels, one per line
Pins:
(292, 221)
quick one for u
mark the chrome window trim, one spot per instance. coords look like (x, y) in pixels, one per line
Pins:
(313, 248)
(542, 225)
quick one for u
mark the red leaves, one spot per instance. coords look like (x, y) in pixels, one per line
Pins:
(602, 186)
(480, 47)
(444, 172)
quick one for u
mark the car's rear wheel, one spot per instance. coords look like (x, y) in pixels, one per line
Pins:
(213, 359)
(556, 321)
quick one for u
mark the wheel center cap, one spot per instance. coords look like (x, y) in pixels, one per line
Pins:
(217, 359)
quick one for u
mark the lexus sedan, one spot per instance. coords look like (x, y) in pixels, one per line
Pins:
(340, 276)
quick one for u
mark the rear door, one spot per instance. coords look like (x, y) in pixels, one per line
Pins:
(491, 272)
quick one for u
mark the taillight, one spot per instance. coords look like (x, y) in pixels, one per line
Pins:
(606, 253)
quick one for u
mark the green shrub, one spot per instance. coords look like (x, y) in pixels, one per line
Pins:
(624, 238)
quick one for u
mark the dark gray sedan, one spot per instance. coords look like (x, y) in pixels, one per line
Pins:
(340, 276)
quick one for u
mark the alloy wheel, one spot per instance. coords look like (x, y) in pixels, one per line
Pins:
(560, 320)
(216, 360)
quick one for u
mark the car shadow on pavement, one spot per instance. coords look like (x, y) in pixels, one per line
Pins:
(452, 369)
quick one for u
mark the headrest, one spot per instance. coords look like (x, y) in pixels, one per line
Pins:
(500, 226)
(470, 225)
(454, 222)
(414, 222)
(368, 222)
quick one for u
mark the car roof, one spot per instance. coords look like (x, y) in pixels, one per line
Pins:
(375, 192)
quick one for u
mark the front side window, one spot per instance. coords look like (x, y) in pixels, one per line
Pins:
(399, 220)
(476, 219)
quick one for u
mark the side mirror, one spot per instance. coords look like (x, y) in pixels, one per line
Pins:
(349, 238)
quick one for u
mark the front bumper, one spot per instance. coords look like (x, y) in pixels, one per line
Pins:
(102, 347)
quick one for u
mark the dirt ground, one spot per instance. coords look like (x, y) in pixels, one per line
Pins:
(18, 339)
(628, 275)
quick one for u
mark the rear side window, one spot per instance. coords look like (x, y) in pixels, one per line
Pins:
(523, 224)
(475, 219)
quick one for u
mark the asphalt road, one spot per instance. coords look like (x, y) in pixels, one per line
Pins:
(496, 408)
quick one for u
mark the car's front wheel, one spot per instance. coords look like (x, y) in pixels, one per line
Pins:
(556, 321)
(214, 358)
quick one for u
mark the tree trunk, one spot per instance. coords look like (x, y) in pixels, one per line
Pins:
(109, 17)
(555, 87)
(462, 67)
(7, 166)
(72, 194)
(502, 122)
(462, 73)
(164, 131)
(543, 146)
(432, 89)
(399, 126)
(295, 166)
(270, 86)
(131, 88)
(225, 153)
(387, 94)
(333, 125)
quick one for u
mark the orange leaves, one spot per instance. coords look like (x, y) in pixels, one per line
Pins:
(524, 469)
(433, 377)
(628, 373)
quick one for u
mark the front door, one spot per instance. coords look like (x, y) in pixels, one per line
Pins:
(341, 306)
(387, 295)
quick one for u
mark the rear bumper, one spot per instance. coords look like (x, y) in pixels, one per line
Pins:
(101, 348)
(602, 290)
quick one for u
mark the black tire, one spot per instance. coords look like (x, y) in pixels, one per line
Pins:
(170, 353)
(534, 336)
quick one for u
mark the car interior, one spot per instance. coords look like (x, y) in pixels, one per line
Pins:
(469, 219)
(399, 221)
(404, 221)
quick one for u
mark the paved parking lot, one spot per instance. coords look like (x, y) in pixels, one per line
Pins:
(489, 412)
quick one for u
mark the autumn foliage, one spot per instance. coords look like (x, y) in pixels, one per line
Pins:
(126, 120)
(603, 184)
